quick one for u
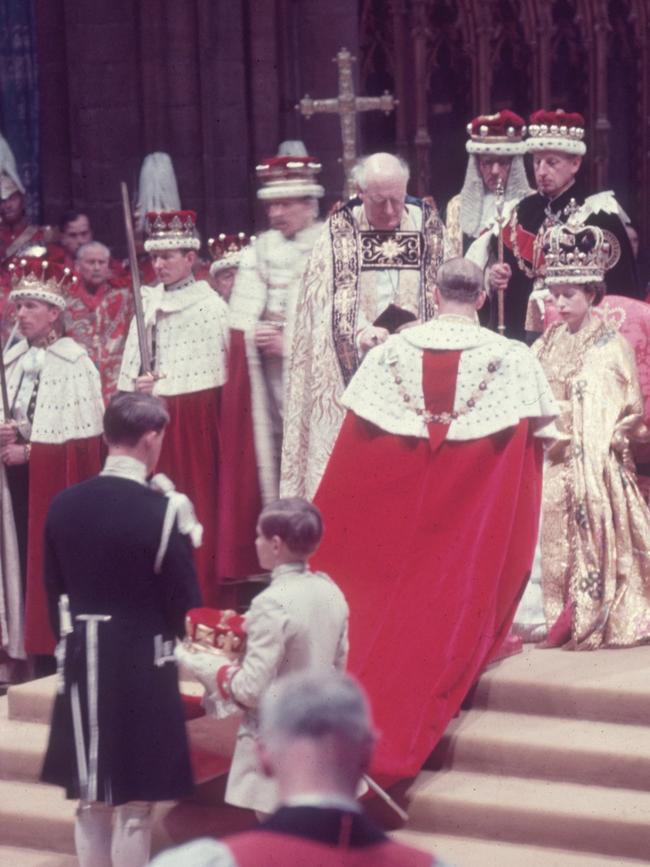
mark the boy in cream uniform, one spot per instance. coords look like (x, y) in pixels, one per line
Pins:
(299, 623)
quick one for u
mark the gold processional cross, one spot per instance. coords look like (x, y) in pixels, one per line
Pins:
(347, 105)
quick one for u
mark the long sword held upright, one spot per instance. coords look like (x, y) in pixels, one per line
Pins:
(145, 355)
(6, 409)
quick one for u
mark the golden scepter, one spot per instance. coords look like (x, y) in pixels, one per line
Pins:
(499, 203)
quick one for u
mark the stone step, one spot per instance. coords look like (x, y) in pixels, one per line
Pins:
(607, 685)
(12, 856)
(472, 852)
(608, 821)
(552, 748)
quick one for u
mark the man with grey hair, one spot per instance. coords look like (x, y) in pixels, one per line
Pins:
(371, 273)
(316, 739)
(431, 500)
(98, 311)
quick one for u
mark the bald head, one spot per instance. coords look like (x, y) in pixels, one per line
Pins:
(381, 183)
(459, 283)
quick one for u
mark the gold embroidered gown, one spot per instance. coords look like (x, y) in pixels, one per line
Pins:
(595, 536)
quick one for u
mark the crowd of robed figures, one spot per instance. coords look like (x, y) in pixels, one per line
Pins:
(327, 375)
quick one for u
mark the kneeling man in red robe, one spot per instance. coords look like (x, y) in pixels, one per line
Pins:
(431, 501)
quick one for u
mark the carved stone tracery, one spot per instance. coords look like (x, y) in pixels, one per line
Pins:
(451, 59)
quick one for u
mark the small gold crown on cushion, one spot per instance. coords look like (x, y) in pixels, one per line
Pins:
(40, 279)
(575, 252)
(215, 629)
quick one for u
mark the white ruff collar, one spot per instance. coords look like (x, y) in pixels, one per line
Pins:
(125, 467)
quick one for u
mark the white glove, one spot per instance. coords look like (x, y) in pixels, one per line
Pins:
(203, 665)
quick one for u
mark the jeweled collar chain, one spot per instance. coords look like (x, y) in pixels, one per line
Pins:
(444, 417)
(181, 284)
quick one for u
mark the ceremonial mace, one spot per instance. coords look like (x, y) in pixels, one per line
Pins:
(499, 203)
(145, 356)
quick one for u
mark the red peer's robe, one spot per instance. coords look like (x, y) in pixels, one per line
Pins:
(65, 449)
(52, 468)
(190, 457)
(432, 542)
(239, 487)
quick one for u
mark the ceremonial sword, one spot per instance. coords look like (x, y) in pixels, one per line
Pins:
(6, 409)
(145, 355)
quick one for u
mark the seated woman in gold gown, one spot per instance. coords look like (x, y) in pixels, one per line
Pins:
(595, 532)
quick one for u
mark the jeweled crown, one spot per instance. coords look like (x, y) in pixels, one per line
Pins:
(501, 133)
(556, 131)
(575, 252)
(40, 279)
(226, 250)
(171, 230)
(289, 177)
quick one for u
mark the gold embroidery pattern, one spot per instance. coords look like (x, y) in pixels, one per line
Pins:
(345, 261)
(402, 250)
(347, 268)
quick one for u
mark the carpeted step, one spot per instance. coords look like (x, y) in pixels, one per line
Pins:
(36, 815)
(606, 685)
(39, 816)
(552, 748)
(23, 741)
(11, 856)
(470, 852)
(532, 811)
(22, 747)
(32, 702)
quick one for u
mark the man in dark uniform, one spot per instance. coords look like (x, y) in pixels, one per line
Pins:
(556, 141)
(120, 577)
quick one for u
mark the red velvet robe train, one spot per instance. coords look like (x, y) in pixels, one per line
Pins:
(240, 498)
(52, 468)
(431, 541)
(190, 458)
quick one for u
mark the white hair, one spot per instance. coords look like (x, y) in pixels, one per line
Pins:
(382, 164)
(313, 706)
(472, 194)
(93, 245)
